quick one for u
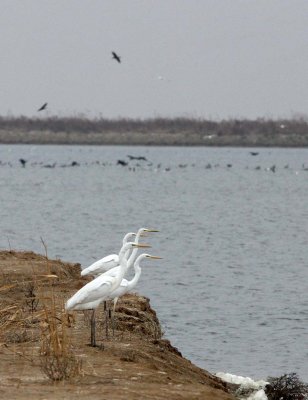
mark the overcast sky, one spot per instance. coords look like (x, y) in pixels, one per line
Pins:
(197, 58)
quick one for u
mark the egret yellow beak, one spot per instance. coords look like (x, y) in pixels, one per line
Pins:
(156, 257)
(151, 230)
(142, 245)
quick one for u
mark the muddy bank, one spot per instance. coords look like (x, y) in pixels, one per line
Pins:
(134, 363)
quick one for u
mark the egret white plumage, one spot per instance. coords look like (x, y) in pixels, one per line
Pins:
(111, 261)
(100, 288)
(108, 262)
(130, 261)
(126, 286)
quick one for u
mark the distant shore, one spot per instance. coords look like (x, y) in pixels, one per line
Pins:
(145, 139)
(154, 132)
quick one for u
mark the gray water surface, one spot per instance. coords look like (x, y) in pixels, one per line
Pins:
(232, 288)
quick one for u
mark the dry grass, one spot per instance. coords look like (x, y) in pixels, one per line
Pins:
(58, 360)
(180, 131)
(38, 316)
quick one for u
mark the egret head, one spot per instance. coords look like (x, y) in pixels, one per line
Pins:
(144, 231)
(145, 255)
(133, 234)
(128, 236)
(133, 245)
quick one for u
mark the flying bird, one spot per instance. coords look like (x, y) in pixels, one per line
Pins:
(116, 57)
(44, 106)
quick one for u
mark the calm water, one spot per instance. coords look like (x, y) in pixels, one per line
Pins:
(232, 288)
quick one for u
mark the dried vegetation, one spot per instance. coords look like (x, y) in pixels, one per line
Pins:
(286, 387)
(181, 131)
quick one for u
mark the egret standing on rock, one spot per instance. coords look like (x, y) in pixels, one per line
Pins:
(126, 286)
(107, 264)
(100, 288)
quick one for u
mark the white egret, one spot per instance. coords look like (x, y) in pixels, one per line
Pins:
(141, 232)
(115, 270)
(105, 265)
(126, 286)
(111, 261)
(108, 262)
(100, 288)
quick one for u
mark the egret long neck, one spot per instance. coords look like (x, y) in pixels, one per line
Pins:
(124, 242)
(132, 283)
(134, 252)
(123, 264)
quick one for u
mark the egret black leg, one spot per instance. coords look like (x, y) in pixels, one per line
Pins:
(93, 329)
(106, 317)
(112, 321)
(113, 314)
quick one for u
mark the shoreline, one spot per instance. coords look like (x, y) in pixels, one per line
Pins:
(138, 362)
(152, 138)
(157, 131)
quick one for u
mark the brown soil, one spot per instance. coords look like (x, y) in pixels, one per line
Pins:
(135, 363)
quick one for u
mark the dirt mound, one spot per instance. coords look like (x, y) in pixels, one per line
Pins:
(133, 363)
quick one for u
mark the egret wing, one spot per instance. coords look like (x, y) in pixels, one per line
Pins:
(102, 265)
(95, 290)
(112, 272)
(87, 306)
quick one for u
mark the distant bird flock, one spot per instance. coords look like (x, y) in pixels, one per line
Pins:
(109, 282)
(134, 163)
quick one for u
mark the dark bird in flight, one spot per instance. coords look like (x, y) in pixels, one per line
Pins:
(116, 57)
(44, 106)
(254, 153)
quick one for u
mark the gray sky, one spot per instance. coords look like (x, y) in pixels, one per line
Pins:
(197, 58)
